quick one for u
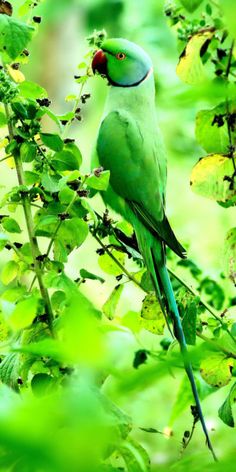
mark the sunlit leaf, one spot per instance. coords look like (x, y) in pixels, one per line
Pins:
(14, 35)
(9, 272)
(24, 313)
(152, 317)
(212, 131)
(230, 254)
(110, 306)
(191, 5)
(211, 177)
(108, 265)
(190, 68)
(9, 370)
(10, 225)
(32, 90)
(216, 369)
(100, 181)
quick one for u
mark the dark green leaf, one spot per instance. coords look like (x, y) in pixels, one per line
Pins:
(52, 141)
(225, 411)
(28, 152)
(88, 275)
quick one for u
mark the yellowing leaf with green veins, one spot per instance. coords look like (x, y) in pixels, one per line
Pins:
(190, 68)
(211, 129)
(151, 317)
(230, 254)
(210, 177)
(9, 272)
(216, 369)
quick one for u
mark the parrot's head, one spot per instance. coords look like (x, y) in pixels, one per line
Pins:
(123, 63)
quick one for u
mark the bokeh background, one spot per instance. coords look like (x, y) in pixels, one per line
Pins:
(199, 223)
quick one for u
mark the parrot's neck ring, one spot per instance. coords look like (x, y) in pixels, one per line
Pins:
(135, 84)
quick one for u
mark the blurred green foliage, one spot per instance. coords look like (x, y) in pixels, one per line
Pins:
(91, 380)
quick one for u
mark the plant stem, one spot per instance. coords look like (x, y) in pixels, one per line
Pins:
(217, 346)
(124, 270)
(76, 104)
(30, 228)
(205, 304)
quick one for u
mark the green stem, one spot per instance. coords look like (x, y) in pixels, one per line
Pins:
(215, 345)
(30, 228)
(123, 269)
(205, 304)
(76, 104)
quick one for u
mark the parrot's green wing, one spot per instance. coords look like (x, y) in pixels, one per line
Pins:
(134, 157)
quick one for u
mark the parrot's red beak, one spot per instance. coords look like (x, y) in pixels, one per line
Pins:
(99, 62)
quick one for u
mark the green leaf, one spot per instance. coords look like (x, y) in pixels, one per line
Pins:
(191, 5)
(151, 317)
(52, 141)
(10, 225)
(30, 177)
(66, 195)
(209, 177)
(187, 304)
(3, 241)
(9, 272)
(68, 159)
(225, 411)
(110, 306)
(73, 232)
(216, 369)
(100, 181)
(28, 152)
(24, 313)
(50, 182)
(230, 254)
(32, 90)
(212, 137)
(135, 456)
(9, 370)
(190, 68)
(3, 120)
(183, 399)
(108, 265)
(88, 275)
(42, 384)
(132, 321)
(229, 10)
(14, 35)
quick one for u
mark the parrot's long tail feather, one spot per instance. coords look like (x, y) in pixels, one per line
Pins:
(164, 284)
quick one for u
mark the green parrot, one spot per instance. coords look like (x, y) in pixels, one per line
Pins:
(129, 145)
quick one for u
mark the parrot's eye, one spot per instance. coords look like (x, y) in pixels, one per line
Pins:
(121, 56)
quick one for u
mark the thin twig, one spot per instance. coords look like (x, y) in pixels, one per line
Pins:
(30, 228)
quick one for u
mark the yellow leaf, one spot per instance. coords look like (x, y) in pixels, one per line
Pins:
(190, 68)
(3, 143)
(151, 317)
(16, 75)
(211, 177)
(10, 162)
